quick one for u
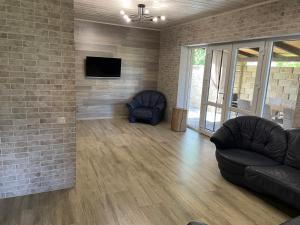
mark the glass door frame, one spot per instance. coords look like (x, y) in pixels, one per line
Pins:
(261, 80)
(206, 83)
(259, 77)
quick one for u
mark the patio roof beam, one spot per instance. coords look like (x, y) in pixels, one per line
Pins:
(289, 48)
(247, 54)
(274, 53)
(275, 59)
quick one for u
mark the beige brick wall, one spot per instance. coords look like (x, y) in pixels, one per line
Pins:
(272, 19)
(283, 83)
(37, 97)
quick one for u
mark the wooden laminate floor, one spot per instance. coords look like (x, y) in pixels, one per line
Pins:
(136, 174)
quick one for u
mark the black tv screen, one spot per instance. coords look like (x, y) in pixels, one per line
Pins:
(100, 67)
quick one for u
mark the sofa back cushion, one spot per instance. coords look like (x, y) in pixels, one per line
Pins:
(258, 135)
(293, 152)
(150, 98)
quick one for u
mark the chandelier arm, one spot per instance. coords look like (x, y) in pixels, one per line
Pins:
(149, 17)
(141, 16)
(133, 16)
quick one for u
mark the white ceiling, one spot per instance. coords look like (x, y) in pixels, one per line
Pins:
(176, 11)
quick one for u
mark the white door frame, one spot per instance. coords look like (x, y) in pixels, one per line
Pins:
(206, 82)
(258, 79)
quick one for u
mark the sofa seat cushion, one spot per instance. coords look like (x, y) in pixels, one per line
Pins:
(235, 160)
(281, 181)
(143, 113)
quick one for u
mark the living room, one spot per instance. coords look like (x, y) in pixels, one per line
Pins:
(192, 115)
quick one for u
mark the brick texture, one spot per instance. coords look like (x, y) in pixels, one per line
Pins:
(283, 84)
(272, 19)
(37, 96)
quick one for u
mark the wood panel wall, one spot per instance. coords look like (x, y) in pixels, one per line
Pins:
(139, 50)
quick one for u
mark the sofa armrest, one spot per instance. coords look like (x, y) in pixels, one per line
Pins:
(223, 138)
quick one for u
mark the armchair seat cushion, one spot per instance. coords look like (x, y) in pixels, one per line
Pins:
(236, 160)
(281, 181)
(144, 113)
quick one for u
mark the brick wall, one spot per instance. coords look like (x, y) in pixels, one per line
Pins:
(272, 19)
(37, 98)
(283, 84)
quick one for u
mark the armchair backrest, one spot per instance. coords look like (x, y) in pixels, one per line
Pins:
(150, 98)
(253, 134)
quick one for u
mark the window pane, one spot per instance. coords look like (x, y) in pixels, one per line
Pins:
(198, 62)
(283, 84)
(213, 118)
(233, 115)
(218, 76)
(244, 78)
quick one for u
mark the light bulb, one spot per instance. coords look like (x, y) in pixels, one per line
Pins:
(128, 20)
(163, 18)
(147, 11)
(155, 19)
(122, 12)
(125, 17)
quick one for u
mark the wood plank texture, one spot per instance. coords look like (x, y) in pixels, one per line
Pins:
(179, 119)
(176, 11)
(136, 174)
(139, 50)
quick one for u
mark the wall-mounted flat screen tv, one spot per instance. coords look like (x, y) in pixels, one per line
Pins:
(99, 67)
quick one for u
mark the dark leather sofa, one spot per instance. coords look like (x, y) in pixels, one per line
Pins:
(260, 155)
(147, 106)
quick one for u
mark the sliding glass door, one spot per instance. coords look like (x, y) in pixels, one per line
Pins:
(283, 83)
(245, 79)
(232, 83)
(250, 78)
(214, 87)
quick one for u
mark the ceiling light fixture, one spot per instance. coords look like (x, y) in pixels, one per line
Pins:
(122, 12)
(142, 16)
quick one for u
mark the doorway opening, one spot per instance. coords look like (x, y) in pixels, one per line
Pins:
(196, 85)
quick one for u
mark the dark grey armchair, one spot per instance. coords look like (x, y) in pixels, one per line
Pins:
(147, 106)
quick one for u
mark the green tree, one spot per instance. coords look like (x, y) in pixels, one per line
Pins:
(198, 56)
(287, 64)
